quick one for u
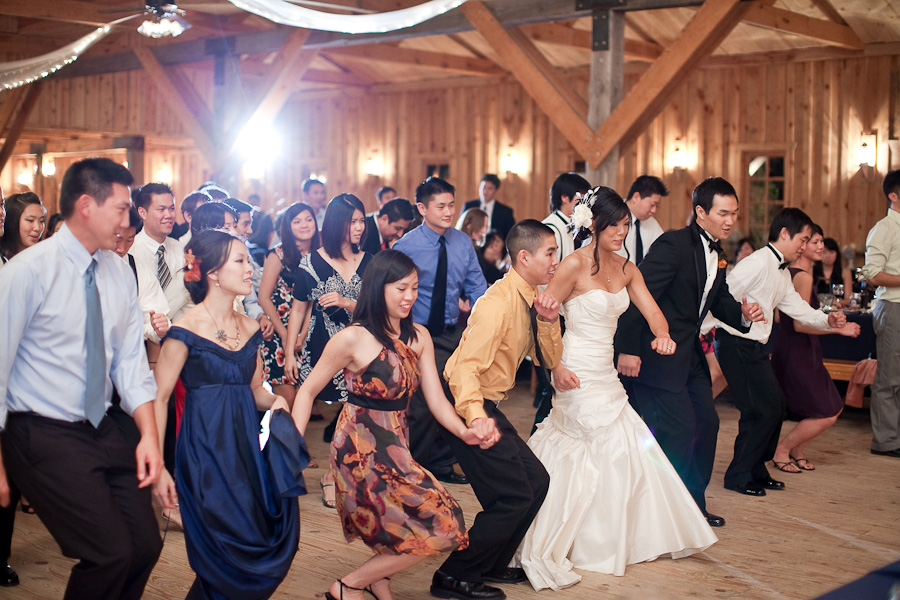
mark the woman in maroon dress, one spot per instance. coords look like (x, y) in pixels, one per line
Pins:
(797, 362)
(383, 496)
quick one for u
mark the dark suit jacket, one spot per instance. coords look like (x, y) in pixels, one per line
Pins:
(502, 218)
(675, 273)
(371, 242)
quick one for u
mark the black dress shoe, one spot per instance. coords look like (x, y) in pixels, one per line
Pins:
(895, 452)
(446, 586)
(750, 489)
(8, 576)
(507, 575)
(770, 484)
(451, 476)
(714, 520)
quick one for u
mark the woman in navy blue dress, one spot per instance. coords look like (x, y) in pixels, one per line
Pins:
(238, 503)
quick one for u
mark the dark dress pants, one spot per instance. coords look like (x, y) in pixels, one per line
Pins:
(8, 521)
(83, 485)
(758, 396)
(427, 439)
(510, 483)
(685, 424)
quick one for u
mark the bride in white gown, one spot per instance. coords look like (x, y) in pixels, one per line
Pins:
(614, 498)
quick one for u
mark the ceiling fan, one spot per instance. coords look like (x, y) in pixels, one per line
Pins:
(156, 7)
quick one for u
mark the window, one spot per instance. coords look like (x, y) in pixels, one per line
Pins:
(765, 194)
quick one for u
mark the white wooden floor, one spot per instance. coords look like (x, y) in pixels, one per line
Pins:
(827, 528)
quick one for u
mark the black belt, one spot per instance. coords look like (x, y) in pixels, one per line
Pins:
(378, 403)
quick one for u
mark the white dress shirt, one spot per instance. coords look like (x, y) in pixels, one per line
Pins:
(712, 269)
(174, 301)
(565, 240)
(759, 279)
(883, 254)
(42, 316)
(650, 232)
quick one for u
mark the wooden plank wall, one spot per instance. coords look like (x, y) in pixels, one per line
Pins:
(812, 111)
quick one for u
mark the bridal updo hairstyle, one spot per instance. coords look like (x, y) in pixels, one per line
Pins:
(210, 249)
(385, 268)
(608, 209)
(211, 216)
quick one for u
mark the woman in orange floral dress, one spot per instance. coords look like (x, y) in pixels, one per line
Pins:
(384, 496)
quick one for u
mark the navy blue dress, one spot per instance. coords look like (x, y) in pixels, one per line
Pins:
(239, 506)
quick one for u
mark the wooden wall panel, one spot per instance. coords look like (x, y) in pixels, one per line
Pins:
(814, 112)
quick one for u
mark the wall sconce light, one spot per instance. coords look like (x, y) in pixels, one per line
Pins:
(866, 153)
(374, 167)
(48, 167)
(164, 175)
(25, 177)
(512, 163)
(678, 159)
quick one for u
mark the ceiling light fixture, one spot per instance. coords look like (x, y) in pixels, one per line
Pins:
(163, 20)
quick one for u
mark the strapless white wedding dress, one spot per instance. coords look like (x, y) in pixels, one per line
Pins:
(614, 498)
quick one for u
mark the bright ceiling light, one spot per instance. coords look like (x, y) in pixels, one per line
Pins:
(164, 20)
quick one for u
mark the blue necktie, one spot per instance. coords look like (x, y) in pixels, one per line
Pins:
(95, 353)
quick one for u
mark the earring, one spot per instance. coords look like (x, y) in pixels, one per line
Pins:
(217, 284)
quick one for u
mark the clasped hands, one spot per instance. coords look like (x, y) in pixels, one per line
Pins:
(481, 432)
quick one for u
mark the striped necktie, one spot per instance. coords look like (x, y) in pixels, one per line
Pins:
(162, 269)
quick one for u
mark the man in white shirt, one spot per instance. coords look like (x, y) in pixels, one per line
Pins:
(160, 263)
(313, 193)
(882, 268)
(763, 278)
(565, 192)
(643, 199)
(71, 330)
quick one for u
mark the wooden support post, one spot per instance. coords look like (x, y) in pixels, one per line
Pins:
(134, 154)
(17, 123)
(606, 87)
(712, 22)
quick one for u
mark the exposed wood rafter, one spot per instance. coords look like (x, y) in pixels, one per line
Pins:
(555, 33)
(14, 117)
(423, 58)
(831, 33)
(570, 120)
(174, 95)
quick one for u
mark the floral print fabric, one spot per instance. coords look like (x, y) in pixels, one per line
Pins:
(383, 495)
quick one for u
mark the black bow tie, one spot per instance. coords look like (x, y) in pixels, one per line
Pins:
(570, 227)
(714, 246)
(784, 265)
(781, 265)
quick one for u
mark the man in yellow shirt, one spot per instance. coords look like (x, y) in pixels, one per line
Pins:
(509, 481)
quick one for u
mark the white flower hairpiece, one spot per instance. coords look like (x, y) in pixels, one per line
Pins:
(583, 216)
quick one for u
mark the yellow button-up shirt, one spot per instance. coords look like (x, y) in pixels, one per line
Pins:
(494, 343)
(883, 254)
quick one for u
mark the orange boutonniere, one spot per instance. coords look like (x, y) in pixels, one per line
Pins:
(723, 263)
(191, 267)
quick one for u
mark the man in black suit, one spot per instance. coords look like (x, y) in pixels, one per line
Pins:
(685, 273)
(500, 215)
(387, 225)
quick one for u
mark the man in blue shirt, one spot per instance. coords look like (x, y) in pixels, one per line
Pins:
(72, 328)
(448, 272)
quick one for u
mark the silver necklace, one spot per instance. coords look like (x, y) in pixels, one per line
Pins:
(221, 336)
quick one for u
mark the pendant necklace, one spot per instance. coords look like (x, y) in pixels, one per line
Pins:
(221, 336)
(605, 271)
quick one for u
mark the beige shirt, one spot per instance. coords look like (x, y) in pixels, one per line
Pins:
(883, 254)
(496, 340)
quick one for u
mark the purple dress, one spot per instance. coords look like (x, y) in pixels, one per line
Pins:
(798, 365)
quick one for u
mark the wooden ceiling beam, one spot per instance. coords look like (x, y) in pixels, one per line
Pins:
(830, 12)
(10, 106)
(423, 58)
(16, 123)
(712, 22)
(70, 11)
(554, 33)
(829, 32)
(532, 76)
(173, 95)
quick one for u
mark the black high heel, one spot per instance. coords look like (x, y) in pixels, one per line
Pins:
(369, 591)
(343, 585)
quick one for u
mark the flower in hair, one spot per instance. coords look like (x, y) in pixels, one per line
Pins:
(582, 216)
(191, 267)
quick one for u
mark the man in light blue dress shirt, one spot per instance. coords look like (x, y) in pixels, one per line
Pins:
(89, 486)
(436, 203)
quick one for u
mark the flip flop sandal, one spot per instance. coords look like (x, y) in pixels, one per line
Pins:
(809, 466)
(781, 466)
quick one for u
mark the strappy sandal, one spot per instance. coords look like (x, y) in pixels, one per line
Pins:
(781, 467)
(369, 591)
(809, 466)
(343, 585)
(329, 503)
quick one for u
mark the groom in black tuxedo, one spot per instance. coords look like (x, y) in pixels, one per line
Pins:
(685, 273)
